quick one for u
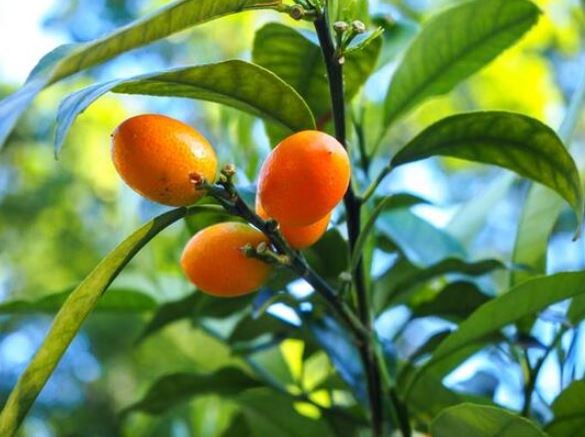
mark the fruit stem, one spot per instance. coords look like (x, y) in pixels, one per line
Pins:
(352, 205)
(227, 195)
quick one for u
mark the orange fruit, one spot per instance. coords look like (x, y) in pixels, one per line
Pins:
(303, 178)
(213, 260)
(299, 237)
(155, 155)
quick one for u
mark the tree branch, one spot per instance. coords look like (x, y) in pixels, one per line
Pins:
(352, 207)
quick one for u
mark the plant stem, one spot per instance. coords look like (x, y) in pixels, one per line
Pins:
(535, 371)
(352, 207)
(233, 203)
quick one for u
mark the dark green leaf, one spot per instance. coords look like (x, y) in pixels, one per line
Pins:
(394, 286)
(455, 302)
(240, 84)
(238, 427)
(194, 306)
(171, 390)
(273, 414)
(201, 221)
(297, 59)
(453, 46)
(523, 300)
(117, 300)
(576, 312)
(430, 397)
(250, 328)
(70, 317)
(513, 141)
(329, 255)
(482, 421)
(569, 412)
(72, 58)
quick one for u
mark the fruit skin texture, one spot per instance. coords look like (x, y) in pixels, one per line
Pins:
(213, 260)
(155, 155)
(303, 178)
(299, 237)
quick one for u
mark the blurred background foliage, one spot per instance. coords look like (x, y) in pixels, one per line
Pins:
(58, 218)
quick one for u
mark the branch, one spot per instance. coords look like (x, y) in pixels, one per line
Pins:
(352, 206)
(227, 195)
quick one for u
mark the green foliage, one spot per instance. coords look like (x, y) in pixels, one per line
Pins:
(469, 36)
(329, 359)
(541, 209)
(234, 83)
(513, 141)
(482, 421)
(568, 411)
(296, 58)
(72, 58)
(455, 302)
(422, 243)
(117, 300)
(173, 389)
(526, 299)
(78, 305)
(394, 286)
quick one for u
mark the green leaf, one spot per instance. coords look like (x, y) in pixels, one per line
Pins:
(422, 243)
(193, 306)
(453, 46)
(238, 427)
(482, 421)
(537, 220)
(394, 286)
(513, 141)
(342, 351)
(72, 58)
(270, 412)
(171, 390)
(569, 412)
(395, 201)
(455, 302)
(576, 311)
(297, 59)
(430, 397)
(429, 346)
(541, 209)
(115, 301)
(239, 84)
(328, 256)
(523, 300)
(79, 304)
(273, 414)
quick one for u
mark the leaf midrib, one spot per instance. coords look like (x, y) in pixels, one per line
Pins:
(240, 101)
(518, 145)
(447, 67)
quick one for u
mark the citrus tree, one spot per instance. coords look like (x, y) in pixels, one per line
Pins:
(316, 215)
